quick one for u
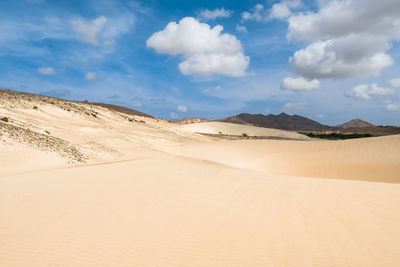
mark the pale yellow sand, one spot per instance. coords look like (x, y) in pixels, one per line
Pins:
(156, 194)
(370, 159)
(169, 211)
(226, 128)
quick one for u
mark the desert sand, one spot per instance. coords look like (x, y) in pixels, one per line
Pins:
(82, 185)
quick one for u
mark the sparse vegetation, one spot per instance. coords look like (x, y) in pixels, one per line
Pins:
(245, 135)
(47, 132)
(35, 107)
(130, 120)
(335, 136)
(5, 119)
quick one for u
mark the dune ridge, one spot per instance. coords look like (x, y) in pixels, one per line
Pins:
(147, 192)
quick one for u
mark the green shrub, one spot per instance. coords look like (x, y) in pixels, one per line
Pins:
(335, 136)
(5, 119)
(245, 135)
(35, 107)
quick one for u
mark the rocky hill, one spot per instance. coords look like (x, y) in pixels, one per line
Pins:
(282, 121)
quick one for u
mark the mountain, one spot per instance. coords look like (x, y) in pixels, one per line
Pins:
(373, 130)
(282, 121)
(356, 123)
(189, 120)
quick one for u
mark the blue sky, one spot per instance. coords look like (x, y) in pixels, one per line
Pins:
(327, 60)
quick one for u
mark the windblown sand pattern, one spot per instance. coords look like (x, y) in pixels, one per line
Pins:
(153, 193)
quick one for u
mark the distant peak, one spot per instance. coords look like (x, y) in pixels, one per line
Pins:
(283, 114)
(355, 123)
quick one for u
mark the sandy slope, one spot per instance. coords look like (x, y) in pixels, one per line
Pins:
(115, 190)
(226, 128)
(370, 159)
(169, 211)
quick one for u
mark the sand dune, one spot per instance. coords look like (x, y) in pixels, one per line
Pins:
(169, 211)
(370, 159)
(226, 128)
(82, 185)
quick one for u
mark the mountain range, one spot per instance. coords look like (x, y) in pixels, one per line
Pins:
(284, 121)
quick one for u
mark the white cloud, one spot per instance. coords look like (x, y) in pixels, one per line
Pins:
(283, 10)
(365, 91)
(395, 83)
(181, 108)
(280, 10)
(216, 89)
(338, 58)
(341, 18)
(214, 14)
(392, 107)
(295, 105)
(90, 76)
(241, 28)
(46, 71)
(258, 13)
(204, 50)
(349, 38)
(233, 65)
(89, 31)
(299, 84)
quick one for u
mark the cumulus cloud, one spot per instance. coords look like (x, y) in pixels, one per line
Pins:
(283, 10)
(90, 76)
(338, 58)
(341, 18)
(348, 38)
(241, 28)
(204, 50)
(280, 10)
(395, 83)
(258, 13)
(214, 14)
(295, 105)
(89, 31)
(299, 84)
(233, 65)
(181, 108)
(365, 91)
(46, 71)
(392, 107)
